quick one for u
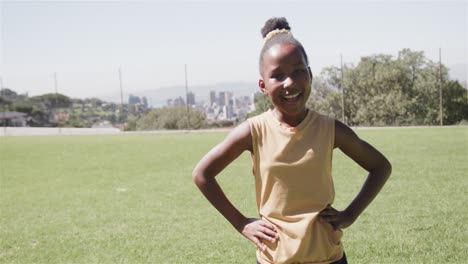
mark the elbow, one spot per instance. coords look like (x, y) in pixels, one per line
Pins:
(387, 168)
(382, 169)
(198, 178)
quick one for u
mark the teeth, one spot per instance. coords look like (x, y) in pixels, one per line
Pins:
(290, 96)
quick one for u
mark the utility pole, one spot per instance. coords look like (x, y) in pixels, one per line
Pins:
(55, 83)
(441, 110)
(342, 91)
(186, 98)
(56, 101)
(4, 109)
(121, 97)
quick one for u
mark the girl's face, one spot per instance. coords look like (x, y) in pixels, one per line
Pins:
(286, 79)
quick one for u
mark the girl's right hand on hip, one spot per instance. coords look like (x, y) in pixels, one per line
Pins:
(257, 230)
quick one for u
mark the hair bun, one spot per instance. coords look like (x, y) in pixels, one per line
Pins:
(274, 23)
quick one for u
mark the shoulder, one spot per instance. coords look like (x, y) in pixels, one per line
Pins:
(221, 155)
(240, 137)
(344, 135)
(241, 131)
(258, 119)
(315, 116)
(325, 119)
(324, 122)
(259, 123)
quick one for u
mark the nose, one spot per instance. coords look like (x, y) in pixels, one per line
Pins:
(288, 83)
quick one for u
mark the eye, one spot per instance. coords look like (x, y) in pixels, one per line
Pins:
(278, 76)
(301, 70)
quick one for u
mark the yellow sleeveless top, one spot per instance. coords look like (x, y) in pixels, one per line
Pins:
(293, 181)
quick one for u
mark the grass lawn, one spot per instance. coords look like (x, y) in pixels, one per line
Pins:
(130, 199)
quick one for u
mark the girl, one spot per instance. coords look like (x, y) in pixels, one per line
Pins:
(291, 148)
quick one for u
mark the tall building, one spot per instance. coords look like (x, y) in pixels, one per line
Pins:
(132, 99)
(222, 99)
(212, 98)
(190, 98)
(228, 98)
(178, 101)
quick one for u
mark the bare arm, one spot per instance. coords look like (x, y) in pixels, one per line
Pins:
(368, 158)
(238, 141)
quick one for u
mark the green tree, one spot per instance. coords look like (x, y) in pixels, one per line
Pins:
(95, 102)
(8, 94)
(23, 107)
(455, 103)
(262, 103)
(178, 117)
(131, 124)
(52, 101)
(326, 95)
(382, 90)
(4, 103)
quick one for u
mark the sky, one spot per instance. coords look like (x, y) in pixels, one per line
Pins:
(85, 43)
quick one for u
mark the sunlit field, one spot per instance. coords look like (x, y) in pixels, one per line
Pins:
(130, 199)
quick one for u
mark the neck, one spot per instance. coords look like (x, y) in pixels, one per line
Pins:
(290, 120)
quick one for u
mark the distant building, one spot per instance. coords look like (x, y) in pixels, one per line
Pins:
(228, 98)
(213, 99)
(144, 101)
(14, 119)
(137, 104)
(190, 98)
(222, 99)
(134, 99)
(226, 106)
(178, 101)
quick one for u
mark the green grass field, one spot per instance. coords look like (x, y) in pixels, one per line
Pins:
(131, 199)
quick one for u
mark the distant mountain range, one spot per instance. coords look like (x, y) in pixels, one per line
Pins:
(158, 97)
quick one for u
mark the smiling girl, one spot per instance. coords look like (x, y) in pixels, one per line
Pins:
(292, 149)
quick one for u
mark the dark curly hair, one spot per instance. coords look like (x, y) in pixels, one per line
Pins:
(278, 23)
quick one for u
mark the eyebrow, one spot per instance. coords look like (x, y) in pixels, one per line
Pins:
(299, 63)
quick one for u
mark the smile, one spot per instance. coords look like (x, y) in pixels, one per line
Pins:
(291, 96)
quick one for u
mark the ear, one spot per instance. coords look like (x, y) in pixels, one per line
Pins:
(261, 84)
(310, 73)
